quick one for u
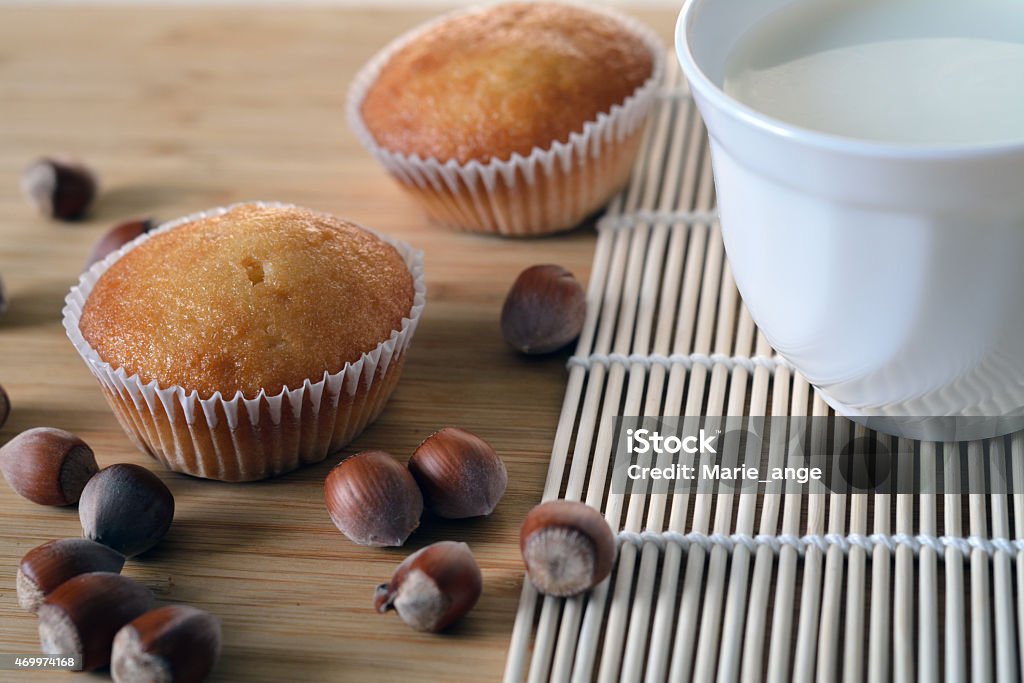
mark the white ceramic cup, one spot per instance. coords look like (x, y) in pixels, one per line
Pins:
(892, 277)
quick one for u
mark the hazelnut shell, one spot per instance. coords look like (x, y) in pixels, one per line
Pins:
(59, 187)
(48, 466)
(5, 406)
(544, 310)
(117, 237)
(176, 644)
(44, 568)
(126, 507)
(373, 499)
(433, 588)
(84, 613)
(567, 546)
(459, 473)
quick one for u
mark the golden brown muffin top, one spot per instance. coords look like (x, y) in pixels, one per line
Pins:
(504, 80)
(254, 298)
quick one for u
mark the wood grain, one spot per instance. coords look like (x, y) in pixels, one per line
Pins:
(184, 109)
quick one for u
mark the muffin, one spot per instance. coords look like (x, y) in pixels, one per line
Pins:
(516, 119)
(243, 342)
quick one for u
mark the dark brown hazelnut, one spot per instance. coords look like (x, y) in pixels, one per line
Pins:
(373, 499)
(568, 547)
(59, 187)
(172, 644)
(85, 612)
(544, 310)
(126, 507)
(433, 588)
(48, 466)
(5, 406)
(117, 237)
(46, 567)
(459, 473)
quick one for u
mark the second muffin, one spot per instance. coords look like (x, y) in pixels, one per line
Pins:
(517, 119)
(244, 342)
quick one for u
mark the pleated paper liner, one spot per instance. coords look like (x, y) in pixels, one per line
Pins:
(242, 438)
(549, 190)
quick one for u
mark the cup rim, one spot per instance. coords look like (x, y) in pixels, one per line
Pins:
(830, 142)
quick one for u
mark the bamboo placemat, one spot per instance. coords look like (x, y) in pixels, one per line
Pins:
(750, 586)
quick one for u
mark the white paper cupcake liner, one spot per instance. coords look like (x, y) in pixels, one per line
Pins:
(549, 190)
(239, 438)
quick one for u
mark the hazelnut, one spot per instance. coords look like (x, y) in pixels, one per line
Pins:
(544, 310)
(59, 187)
(568, 547)
(48, 466)
(172, 644)
(126, 507)
(46, 567)
(117, 237)
(5, 407)
(3, 298)
(373, 500)
(459, 473)
(85, 612)
(433, 588)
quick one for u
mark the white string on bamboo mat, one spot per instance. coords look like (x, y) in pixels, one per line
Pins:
(653, 217)
(687, 361)
(823, 542)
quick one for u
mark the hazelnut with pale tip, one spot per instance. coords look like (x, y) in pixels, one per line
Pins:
(47, 466)
(567, 546)
(59, 187)
(373, 499)
(85, 613)
(459, 473)
(171, 644)
(126, 507)
(46, 567)
(433, 588)
(544, 310)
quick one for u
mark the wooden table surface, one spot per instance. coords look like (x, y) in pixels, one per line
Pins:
(185, 109)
